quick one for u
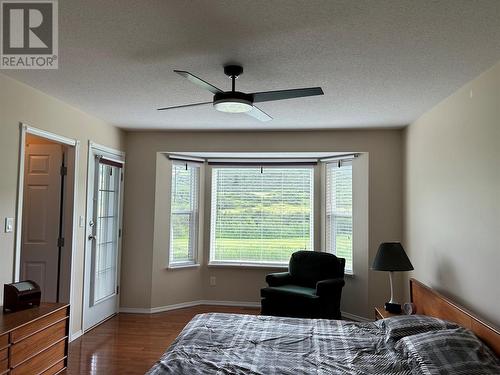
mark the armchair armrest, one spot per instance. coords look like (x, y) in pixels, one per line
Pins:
(278, 278)
(325, 287)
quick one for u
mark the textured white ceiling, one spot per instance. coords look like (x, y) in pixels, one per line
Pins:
(381, 63)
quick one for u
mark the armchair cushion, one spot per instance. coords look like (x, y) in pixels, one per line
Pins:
(278, 278)
(286, 291)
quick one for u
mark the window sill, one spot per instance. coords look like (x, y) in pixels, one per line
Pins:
(257, 266)
(248, 265)
(183, 265)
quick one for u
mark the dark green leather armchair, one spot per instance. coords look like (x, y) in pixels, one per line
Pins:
(311, 288)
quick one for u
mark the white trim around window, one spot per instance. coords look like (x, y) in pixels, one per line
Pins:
(184, 218)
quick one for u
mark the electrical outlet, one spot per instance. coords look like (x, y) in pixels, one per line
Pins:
(213, 281)
(9, 224)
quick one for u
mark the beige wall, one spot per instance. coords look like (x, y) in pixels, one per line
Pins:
(145, 281)
(452, 202)
(21, 103)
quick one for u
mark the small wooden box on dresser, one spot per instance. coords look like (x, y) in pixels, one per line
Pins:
(34, 341)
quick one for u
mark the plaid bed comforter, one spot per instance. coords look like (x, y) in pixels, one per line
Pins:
(263, 345)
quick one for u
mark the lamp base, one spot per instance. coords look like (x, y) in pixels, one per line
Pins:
(393, 308)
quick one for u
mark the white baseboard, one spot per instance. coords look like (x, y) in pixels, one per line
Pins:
(153, 310)
(135, 310)
(75, 335)
(175, 306)
(354, 317)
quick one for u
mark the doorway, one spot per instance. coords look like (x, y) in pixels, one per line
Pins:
(103, 239)
(45, 212)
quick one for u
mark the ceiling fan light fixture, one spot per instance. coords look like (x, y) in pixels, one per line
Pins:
(233, 105)
(239, 102)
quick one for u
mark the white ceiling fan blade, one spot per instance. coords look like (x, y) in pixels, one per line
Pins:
(259, 114)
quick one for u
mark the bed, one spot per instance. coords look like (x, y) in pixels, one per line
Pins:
(444, 338)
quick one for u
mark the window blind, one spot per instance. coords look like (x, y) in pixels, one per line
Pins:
(339, 211)
(260, 215)
(184, 213)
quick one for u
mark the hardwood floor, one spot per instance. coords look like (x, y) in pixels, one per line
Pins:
(132, 343)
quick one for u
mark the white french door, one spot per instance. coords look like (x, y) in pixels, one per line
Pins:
(102, 255)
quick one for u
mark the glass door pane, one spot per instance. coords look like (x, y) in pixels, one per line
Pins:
(106, 220)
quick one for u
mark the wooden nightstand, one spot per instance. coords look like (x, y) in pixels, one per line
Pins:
(381, 313)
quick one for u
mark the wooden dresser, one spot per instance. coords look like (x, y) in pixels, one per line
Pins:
(34, 341)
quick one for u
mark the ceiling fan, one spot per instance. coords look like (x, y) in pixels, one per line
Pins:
(239, 102)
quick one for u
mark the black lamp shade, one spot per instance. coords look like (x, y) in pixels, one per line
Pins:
(391, 257)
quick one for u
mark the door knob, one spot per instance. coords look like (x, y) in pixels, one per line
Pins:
(92, 237)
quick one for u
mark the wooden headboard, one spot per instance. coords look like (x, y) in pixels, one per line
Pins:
(431, 303)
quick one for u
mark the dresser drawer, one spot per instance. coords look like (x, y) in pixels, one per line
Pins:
(41, 362)
(4, 353)
(36, 343)
(37, 325)
(4, 365)
(4, 341)
(58, 367)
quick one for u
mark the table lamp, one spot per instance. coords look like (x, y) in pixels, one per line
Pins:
(391, 257)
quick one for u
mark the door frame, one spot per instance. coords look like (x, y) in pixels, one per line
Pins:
(119, 156)
(75, 145)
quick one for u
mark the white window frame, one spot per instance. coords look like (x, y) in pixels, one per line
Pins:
(325, 220)
(246, 264)
(194, 229)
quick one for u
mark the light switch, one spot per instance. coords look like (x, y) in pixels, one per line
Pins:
(9, 224)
